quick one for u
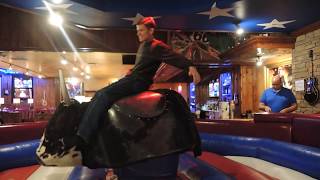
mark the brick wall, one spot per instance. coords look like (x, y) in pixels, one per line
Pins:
(301, 66)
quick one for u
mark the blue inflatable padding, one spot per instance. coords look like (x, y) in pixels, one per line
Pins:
(197, 169)
(164, 168)
(18, 154)
(302, 158)
(84, 173)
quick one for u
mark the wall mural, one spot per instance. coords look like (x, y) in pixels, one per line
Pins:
(200, 47)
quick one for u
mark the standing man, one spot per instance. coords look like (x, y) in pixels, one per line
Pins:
(278, 98)
(150, 55)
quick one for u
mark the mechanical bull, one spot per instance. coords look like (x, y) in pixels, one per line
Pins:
(147, 125)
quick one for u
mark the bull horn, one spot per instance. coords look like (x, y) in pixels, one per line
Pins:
(63, 89)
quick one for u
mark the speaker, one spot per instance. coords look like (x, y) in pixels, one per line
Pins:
(128, 59)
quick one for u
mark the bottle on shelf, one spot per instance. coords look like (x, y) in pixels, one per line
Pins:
(232, 108)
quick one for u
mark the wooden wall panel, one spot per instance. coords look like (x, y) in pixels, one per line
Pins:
(260, 85)
(202, 93)
(49, 88)
(252, 85)
(247, 88)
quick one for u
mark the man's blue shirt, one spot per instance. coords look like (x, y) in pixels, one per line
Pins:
(278, 100)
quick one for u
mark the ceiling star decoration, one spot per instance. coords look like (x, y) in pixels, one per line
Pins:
(275, 24)
(58, 7)
(137, 18)
(215, 12)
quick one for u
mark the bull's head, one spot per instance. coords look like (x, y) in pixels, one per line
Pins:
(58, 144)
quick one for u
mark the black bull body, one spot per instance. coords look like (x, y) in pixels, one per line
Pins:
(147, 125)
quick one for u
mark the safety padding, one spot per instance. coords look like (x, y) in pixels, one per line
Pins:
(13, 133)
(157, 168)
(237, 170)
(273, 118)
(18, 154)
(81, 172)
(306, 129)
(18, 173)
(193, 168)
(304, 159)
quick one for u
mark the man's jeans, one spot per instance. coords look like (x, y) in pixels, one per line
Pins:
(103, 100)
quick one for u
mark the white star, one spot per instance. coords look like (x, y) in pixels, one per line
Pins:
(137, 18)
(275, 24)
(214, 12)
(57, 7)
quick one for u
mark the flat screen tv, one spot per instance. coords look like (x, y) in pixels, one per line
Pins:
(22, 82)
(214, 89)
(22, 87)
(23, 93)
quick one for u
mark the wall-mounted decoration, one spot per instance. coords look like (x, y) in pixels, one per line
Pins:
(311, 93)
(74, 87)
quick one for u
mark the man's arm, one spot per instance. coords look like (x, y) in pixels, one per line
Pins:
(293, 101)
(290, 109)
(168, 56)
(195, 75)
(262, 104)
(263, 107)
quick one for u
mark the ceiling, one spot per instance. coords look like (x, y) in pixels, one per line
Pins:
(220, 15)
(102, 64)
(285, 16)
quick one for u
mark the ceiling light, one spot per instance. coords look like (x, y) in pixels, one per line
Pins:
(82, 73)
(74, 81)
(259, 61)
(27, 73)
(10, 67)
(259, 51)
(87, 69)
(57, 1)
(75, 69)
(55, 19)
(40, 76)
(63, 52)
(64, 62)
(88, 77)
(239, 31)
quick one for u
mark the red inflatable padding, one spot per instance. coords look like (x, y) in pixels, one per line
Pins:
(18, 173)
(232, 168)
(21, 132)
(273, 118)
(306, 129)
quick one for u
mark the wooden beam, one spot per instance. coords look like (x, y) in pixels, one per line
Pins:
(245, 53)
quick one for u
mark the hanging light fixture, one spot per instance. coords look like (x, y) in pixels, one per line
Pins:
(239, 30)
(259, 61)
(259, 56)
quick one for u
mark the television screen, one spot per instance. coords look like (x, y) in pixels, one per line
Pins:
(214, 89)
(22, 82)
(23, 93)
